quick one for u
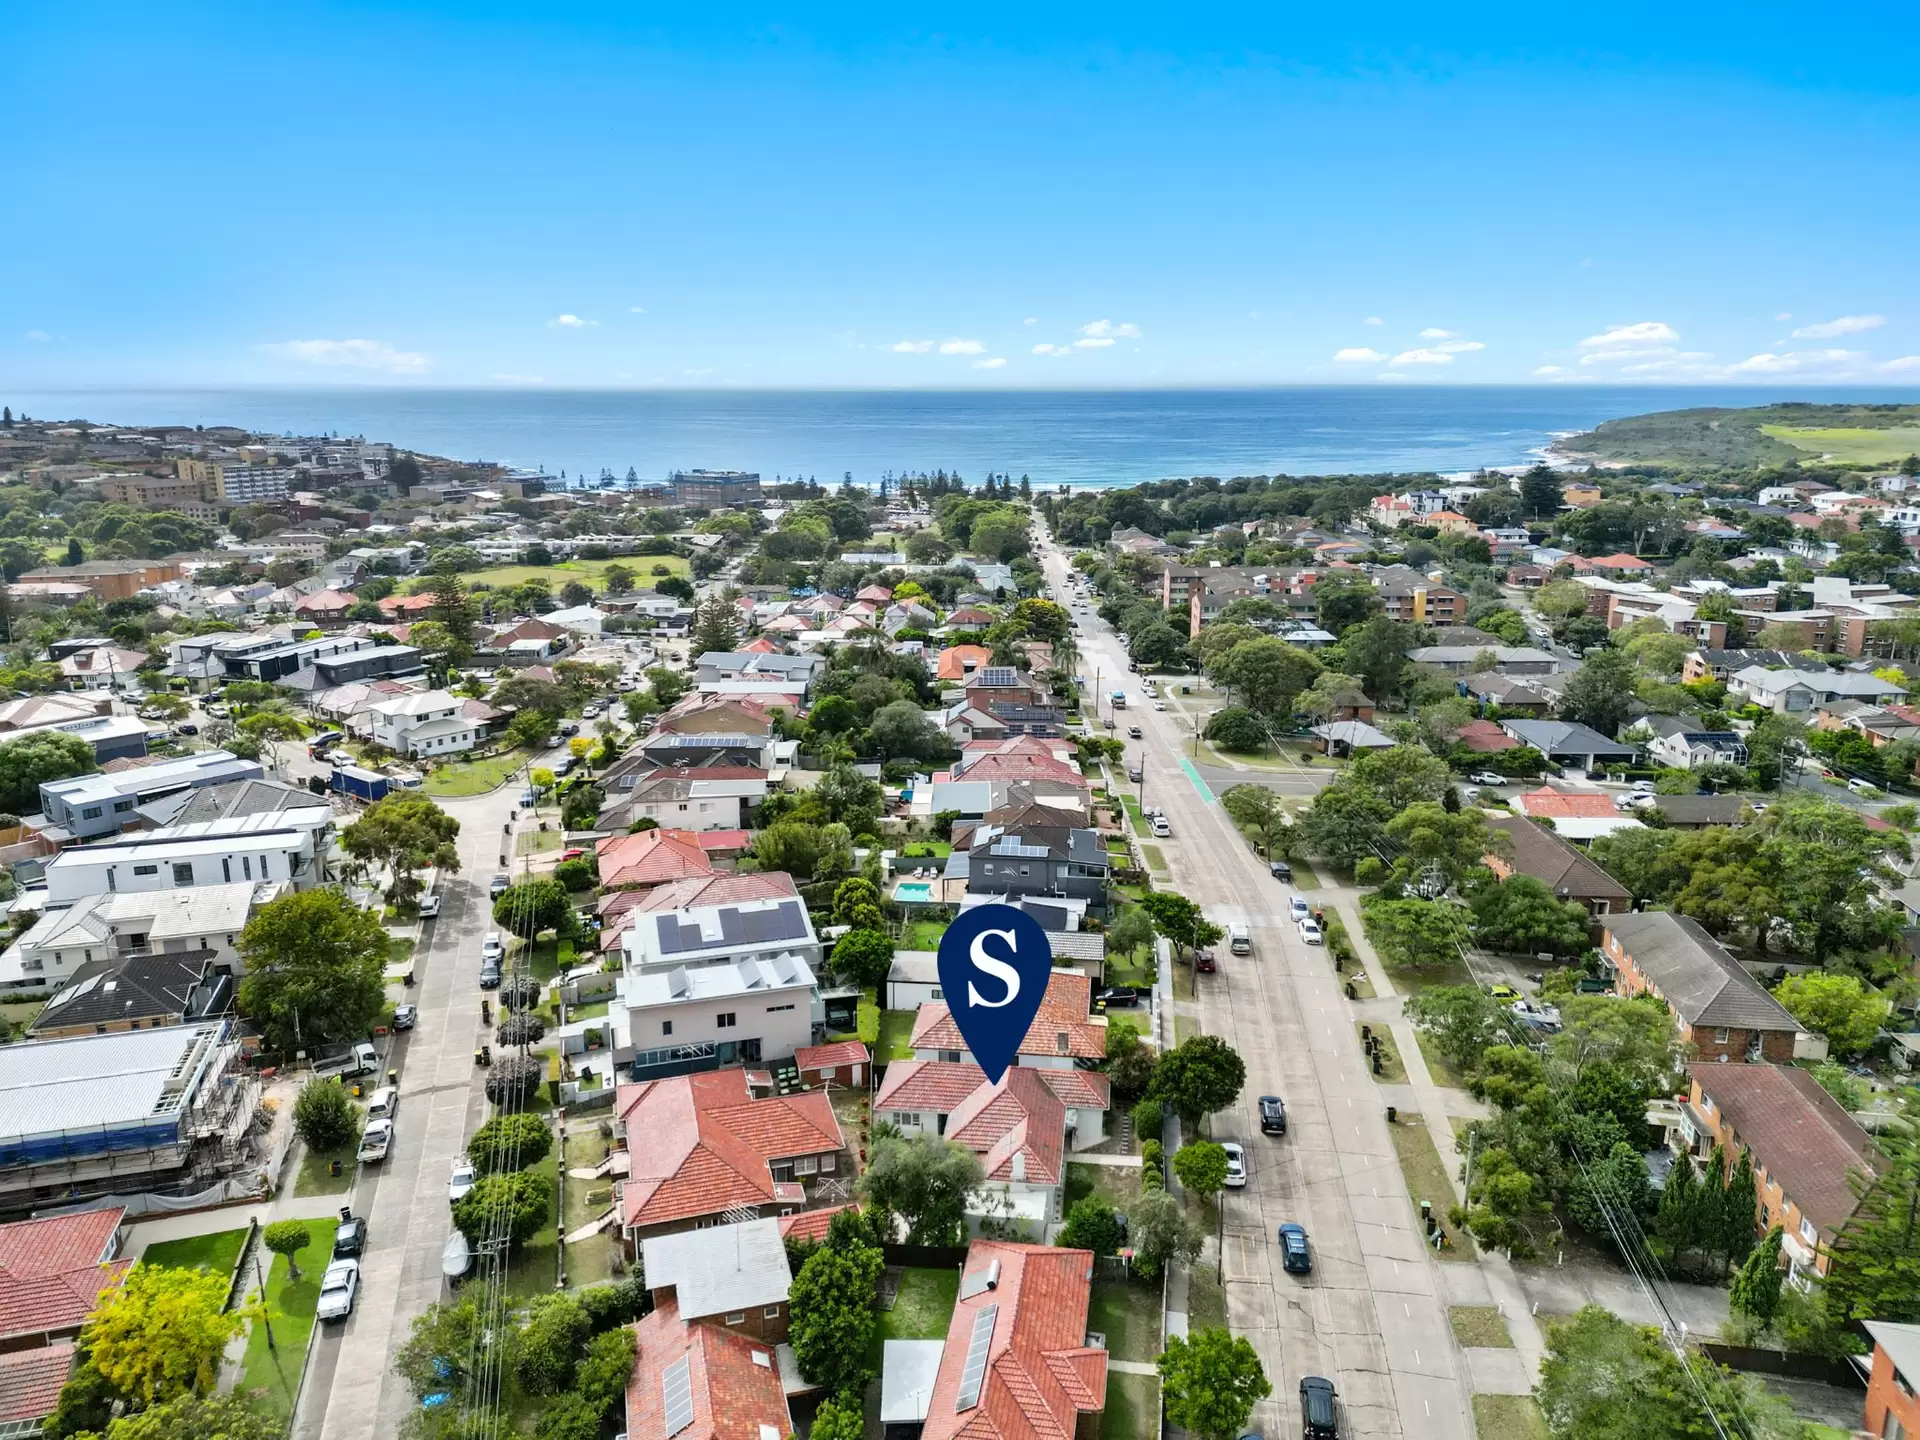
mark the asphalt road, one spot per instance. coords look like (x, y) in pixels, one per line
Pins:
(1370, 1317)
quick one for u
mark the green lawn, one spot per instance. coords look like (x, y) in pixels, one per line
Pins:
(896, 1031)
(398, 950)
(533, 1268)
(1508, 1417)
(1438, 1064)
(474, 777)
(1427, 1180)
(1128, 1314)
(1136, 1020)
(218, 1252)
(20, 1014)
(1392, 1071)
(1206, 1298)
(1156, 859)
(1133, 1408)
(922, 935)
(920, 1311)
(1118, 1185)
(313, 1178)
(272, 1374)
(1863, 446)
(534, 842)
(926, 850)
(1479, 1325)
(591, 573)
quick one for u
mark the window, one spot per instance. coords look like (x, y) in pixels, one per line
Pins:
(1722, 1036)
(1808, 1233)
(906, 1119)
(246, 867)
(770, 1312)
(736, 1317)
(183, 872)
(666, 1027)
(122, 805)
(226, 868)
(829, 1163)
(936, 993)
(952, 1057)
(806, 1165)
(774, 1009)
(146, 869)
(782, 1172)
(92, 812)
(725, 1020)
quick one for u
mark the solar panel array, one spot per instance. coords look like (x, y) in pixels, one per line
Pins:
(738, 926)
(676, 1387)
(976, 1372)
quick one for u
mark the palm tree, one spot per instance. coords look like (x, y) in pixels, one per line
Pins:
(1066, 656)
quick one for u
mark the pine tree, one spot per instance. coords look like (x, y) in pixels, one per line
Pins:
(1755, 1292)
(1026, 488)
(6, 417)
(1738, 1207)
(1678, 1220)
(1876, 1256)
(714, 628)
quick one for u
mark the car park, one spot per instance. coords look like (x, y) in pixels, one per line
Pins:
(339, 1289)
(1236, 1164)
(1487, 777)
(375, 1141)
(1310, 931)
(405, 1017)
(463, 1179)
(1273, 1115)
(1296, 1255)
(349, 1236)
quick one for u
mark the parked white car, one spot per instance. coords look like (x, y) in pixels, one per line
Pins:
(339, 1289)
(1236, 1164)
(1310, 932)
(461, 1181)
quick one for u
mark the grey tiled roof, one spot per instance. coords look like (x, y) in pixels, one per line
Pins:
(1701, 982)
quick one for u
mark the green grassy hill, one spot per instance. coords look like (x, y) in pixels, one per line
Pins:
(1763, 435)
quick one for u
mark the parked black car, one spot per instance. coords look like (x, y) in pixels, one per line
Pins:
(1281, 870)
(1118, 997)
(1273, 1115)
(349, 1236)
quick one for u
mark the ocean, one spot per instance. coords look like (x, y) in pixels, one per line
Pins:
(1058, 437)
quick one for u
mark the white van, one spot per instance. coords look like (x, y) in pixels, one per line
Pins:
(383, 1102)
(1239, 939)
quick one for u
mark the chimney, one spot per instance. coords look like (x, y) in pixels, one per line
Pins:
(1020, 1165)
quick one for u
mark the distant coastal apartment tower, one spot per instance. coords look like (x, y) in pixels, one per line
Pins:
(714, 488)
(234, 480)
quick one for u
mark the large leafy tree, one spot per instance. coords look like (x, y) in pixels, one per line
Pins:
(1600, 691)
(924, 1180)
(1455, 841)
(833, 1316)
(1180, 920)
(1202, 1167)
(527, 908)
(26, 765)
(715, 626)
(903, 731)
(1092, 1225)
(1265, 674)
(405, 832)
(1211, 1380)
(162, 1333)
(1346, 823)
(519, 1203)
(314, 962)
(1160, 1233)
(1461, 1020)
(1521, 914)
(1375, 654)
(1848, 1013)
(207, 1417)
(1416, 932)
(1402, 776)
(1258, 809)
(1200, 1075)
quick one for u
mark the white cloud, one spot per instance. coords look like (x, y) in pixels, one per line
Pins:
(1461, 347)
(912, 347)
(39, 337)
(636, 309)
(1031, 320)
(1845, 325)
(354, 354)
(1904, 362)
(570, 322)
(696, 374)
(1551, 370)
(1799, 362)
(992, 362)
(961, 347)
(1357, 355)
(1434, 332)
(1373, 320)
(1645, 332)
(1422, 357)
(1053, 349)
(1784, 315)
(1101, 328)
(1093, 342)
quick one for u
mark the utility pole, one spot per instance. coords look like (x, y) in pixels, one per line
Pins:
(266, 1317)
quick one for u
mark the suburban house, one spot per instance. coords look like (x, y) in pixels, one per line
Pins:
(957, 662)
(650, 857)
(1723, 665)
(1723, 1013)
(703, 1382)
(1565, 742)
(745, 672)
(202, 922)
(702, 1149)
(1018, 1363)
(705, 727)
(87, 807)
(290, 847)
(1023, 1128)
(1800, 692)
(1063, 1030)
(1808, 1152)
(1516, 695)
(53, 1272)
(139, 992)
(1557, 865)
(1893, 1380)
(429, 722)
(1035, 855)
(914, 979)
(324, 608)
(989, 774)
(1578, 815)
(1467, 659)
(1696, 812)
(839, 1062)
(621, 909)
(713, 986)
(1674, 742)
(709, 796)
(734, 1276)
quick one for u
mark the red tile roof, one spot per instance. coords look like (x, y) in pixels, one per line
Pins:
(51, 1270)
(877, 594)
(31, 1381)
(1063, 1011)
(1023, 767)
(651, 857)
(406, 604)
(724, 842)
(811, 1224)
(1041, 1374)
(698, 1144)
(830, 1057)
(760, 646)
(1560, 805)
(954, 661)
(716, 889)
(936, 1085)
(1485, 737)
(1017, 1127)
(734, 1381)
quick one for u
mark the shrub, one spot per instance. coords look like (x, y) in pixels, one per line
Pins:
(602, 1375)
(547, 1347)
(1092, 1225)
(513, 1080)
(1369, 870)
(575, 874)
(510, 1142)
(620, 1303)
(1147, 1119)
(1153, 1160)
(287, 1237)
(323, 1115)
(522, 1202)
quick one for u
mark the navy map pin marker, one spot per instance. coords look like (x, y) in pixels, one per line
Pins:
(994, 965)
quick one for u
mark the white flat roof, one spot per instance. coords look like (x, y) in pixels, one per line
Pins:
(87, 1082)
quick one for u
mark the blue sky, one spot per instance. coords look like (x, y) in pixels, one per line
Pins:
(975, 195)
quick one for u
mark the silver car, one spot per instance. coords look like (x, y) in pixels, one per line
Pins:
(339, 1289)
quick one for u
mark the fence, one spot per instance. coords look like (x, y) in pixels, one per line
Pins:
(1787, 1365)
(925, 1257)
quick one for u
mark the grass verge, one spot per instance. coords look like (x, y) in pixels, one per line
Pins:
(1155, 857)
(1479, 1325)
(271, 1374)
(533, 1268)
(218, 1252)
(1427, 1180)
(1128, 1314)
(1437, 1064)
(1508, 1417)
(1206, 1298)
(313, 1178)
(1393, 1070)
(473, 777)
(1133, 1408)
